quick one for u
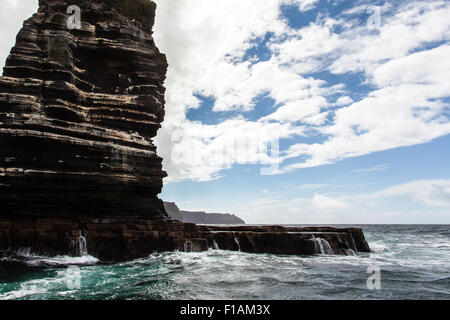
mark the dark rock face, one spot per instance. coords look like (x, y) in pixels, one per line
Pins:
(200, 217)
(108, 239)
(79, 171)
(78, 111)
(289, 241)
(122, 239)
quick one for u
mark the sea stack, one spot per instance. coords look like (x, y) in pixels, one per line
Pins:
(79, 109)
(81, 98)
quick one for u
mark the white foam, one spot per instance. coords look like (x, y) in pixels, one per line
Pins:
(23, 292)
(378, 247)
(33, 260)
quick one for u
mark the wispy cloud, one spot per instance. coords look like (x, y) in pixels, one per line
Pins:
(381, 167)
(434, 193)
(328, 204)
(314, 186)
(422, 201)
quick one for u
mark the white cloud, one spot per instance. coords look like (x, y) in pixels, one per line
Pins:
(327, 204)
(406, 111)
(344, 100)
(303, 5)
(424, 201)
(205, 43)
(429, 192)
(424, 67)
(298, 110)
(314, 186)
(200, 152)
(404, 29)
(380, 167)
(12, 15)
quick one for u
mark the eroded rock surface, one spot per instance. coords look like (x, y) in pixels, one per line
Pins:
(78, 111)
(121, 239)
(286, 240)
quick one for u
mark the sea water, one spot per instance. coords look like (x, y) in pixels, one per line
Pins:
(413, 263)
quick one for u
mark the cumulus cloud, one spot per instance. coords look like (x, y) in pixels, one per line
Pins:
(205, 42)
(404, 63)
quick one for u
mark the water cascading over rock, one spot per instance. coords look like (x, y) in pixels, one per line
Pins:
(322, 246)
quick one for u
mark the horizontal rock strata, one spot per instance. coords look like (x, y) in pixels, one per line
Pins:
(288, 241)
(108, 239)
(121, 239)
(78, 111)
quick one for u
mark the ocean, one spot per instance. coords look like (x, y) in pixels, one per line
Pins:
(407, 262)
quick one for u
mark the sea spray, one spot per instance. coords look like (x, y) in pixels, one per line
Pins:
(24, 252)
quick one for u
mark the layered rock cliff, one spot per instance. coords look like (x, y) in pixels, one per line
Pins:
(78, 168)
(200, 217)
(78, 111)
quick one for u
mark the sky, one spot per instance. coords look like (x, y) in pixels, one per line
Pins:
(302, 111)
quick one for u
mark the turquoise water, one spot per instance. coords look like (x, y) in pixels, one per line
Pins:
(414, 262)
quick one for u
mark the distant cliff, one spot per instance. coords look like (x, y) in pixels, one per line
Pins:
(200, 217)
(173, 211)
